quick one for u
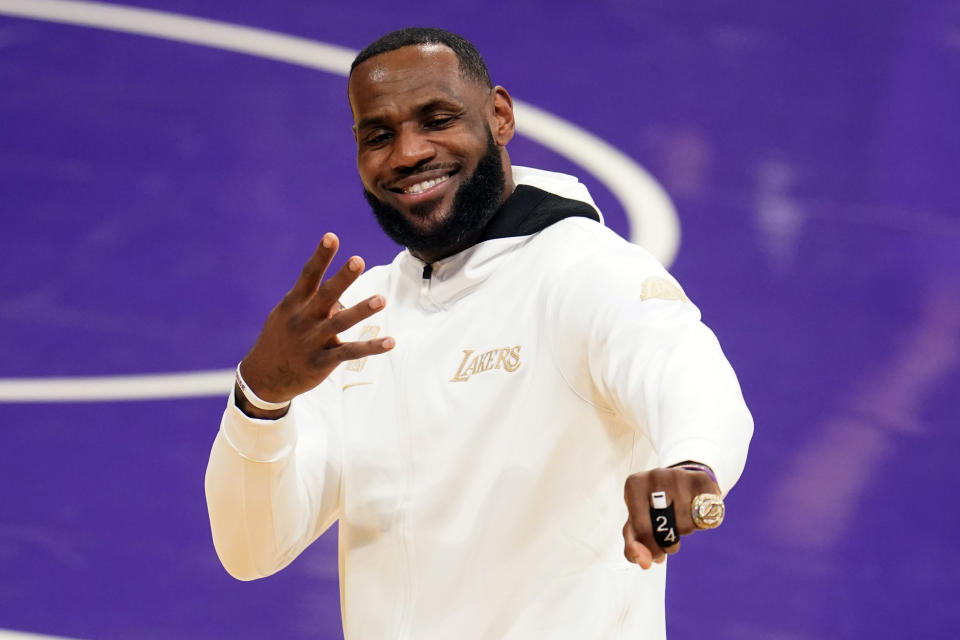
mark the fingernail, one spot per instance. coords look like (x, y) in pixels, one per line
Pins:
(388, 343)
(328, 240)
(355, 264)
(376, 302)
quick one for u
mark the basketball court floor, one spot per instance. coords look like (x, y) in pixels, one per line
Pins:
(167, 166)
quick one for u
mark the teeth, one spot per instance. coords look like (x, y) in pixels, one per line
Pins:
(426, 184)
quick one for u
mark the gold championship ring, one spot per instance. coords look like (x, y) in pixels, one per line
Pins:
(707, 510)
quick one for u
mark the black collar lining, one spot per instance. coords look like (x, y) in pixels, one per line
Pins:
(529, 210)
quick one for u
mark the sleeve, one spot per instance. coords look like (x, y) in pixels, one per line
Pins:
(273, 486)
(638, 343)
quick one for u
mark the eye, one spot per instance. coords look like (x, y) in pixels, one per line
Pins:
(377, 138)
(439, 122)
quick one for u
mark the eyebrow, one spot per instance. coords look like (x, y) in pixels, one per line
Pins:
(425, 108)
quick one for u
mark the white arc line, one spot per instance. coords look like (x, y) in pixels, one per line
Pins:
(653, 219)
(199, 31)
(651, 214)
(190, 384)
(20, 635)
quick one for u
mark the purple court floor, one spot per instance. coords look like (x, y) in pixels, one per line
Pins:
(157, 198)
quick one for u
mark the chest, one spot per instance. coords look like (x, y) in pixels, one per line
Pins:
(480, 356)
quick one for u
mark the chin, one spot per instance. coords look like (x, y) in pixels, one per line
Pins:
(429, 220)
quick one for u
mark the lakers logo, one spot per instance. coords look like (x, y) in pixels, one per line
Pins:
(662, 289)
(506, 358)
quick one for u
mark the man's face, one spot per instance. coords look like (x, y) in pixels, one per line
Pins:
(422, 131)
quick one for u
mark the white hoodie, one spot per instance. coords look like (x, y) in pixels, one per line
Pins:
(477, 469)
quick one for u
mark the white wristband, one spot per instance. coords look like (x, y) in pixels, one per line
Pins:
(256, 401)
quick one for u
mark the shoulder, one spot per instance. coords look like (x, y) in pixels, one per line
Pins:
(584, 261)
(586, 246)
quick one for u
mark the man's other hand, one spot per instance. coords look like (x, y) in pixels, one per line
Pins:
(681, 486)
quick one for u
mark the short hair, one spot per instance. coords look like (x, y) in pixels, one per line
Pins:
(470, 60)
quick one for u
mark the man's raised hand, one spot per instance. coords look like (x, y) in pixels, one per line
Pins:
(298, 346)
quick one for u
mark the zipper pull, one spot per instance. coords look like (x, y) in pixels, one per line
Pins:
(425, 282)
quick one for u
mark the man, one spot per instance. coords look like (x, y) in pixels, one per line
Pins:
(547, 381)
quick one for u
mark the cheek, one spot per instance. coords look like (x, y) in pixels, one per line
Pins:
(367, 170)
(473, 146)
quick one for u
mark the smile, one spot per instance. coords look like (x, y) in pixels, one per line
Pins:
(423, 186)
(420, 187)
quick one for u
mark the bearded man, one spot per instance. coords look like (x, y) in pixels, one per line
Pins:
(534, 382)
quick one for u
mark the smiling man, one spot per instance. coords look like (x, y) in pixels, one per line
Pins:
(537, 407)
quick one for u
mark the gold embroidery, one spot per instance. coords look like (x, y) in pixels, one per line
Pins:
(354, 384)
(369, 332)
(506, 358)
(661, 288)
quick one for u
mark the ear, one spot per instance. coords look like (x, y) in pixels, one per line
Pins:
(502, 125)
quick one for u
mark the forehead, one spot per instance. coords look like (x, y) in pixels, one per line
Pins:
(407, 76)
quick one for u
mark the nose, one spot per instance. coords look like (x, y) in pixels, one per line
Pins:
(411, 148)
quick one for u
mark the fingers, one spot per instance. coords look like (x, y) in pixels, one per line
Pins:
(637, 493)
(334, 352)
(651, 521)
(316, 266)
(642, 529)
(323, 297)
(345, 318)
(328, 294)
(330, 357)
(634, 550)
(356, 350)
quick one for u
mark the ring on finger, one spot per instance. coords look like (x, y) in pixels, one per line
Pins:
(707, 510)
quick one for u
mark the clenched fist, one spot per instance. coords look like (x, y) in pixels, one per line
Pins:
(681, 486)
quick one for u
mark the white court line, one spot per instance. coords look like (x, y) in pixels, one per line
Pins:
(190, 384)
(20, 635)
(199, 31)
(652, 217)
(653, 220)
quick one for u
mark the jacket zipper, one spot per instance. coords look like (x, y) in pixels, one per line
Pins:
(425, 282)
(408, 600)
(406, 592)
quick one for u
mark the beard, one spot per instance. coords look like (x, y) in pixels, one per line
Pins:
(474, 204)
